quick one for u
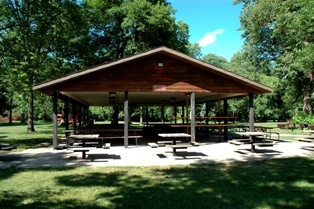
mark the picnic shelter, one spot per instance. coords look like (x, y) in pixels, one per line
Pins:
(161, 76)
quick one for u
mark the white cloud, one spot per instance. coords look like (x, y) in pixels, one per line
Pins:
(210, 38)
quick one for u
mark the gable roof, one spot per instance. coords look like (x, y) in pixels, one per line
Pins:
(148, 83)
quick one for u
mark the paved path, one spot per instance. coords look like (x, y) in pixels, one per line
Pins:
(143, 155)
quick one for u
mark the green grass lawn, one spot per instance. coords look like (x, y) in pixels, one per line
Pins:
(284, 183)
(271, 184)
(17, 134)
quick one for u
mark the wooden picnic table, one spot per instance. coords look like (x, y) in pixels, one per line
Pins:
(85, 137)
(266, 129)
(253, 135)
(174, 136)
(174, 146)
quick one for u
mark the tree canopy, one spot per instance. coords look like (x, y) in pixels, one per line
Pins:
(41, 40)
(282, 45)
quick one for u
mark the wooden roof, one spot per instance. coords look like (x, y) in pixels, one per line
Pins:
(151, 84)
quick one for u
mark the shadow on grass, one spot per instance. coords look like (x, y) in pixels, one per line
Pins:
(42, 199)
(282, 183)
(12, 124)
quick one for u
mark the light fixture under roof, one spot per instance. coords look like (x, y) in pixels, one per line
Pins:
(112, 97)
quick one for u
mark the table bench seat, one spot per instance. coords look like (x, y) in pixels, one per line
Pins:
(305, 139)
(81, 149)
(195, 144)
(153, 145)
(264, 144)
(122, 137)
(179, 146)
(240, 141)
(167, 142)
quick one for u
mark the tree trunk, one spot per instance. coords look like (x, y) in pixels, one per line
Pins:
(141, 115)
(307, 106)
(30, 114)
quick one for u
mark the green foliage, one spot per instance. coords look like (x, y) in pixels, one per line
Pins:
(41, 40)
(215, 60)
(195, 51)
(37, 39)
(303, 118)
(100, 113)
(122, 28)
(281, 45)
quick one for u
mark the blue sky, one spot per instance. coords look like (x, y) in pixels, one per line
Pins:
(213, 24)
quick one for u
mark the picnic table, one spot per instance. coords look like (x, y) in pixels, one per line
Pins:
(309, 138)
(174, 146)
(174, 136)
(265, 129)
(85, 137)
(104, 134)
(253, 135)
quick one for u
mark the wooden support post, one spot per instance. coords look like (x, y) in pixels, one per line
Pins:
(251, 111)
(66, 115)
(126, 119)
(187, 107)
(219, 114)
(192, 115)
(206, 130)
(74, 115)
(225, 120)
(54, 119)
(251, 119)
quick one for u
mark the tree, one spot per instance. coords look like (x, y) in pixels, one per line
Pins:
(282, 44)
(123, 28)
(35, 43)
(41, 40)
(195, 51)
(215, 60)
(266, 106)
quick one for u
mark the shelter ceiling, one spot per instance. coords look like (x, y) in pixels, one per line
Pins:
(143, 98)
